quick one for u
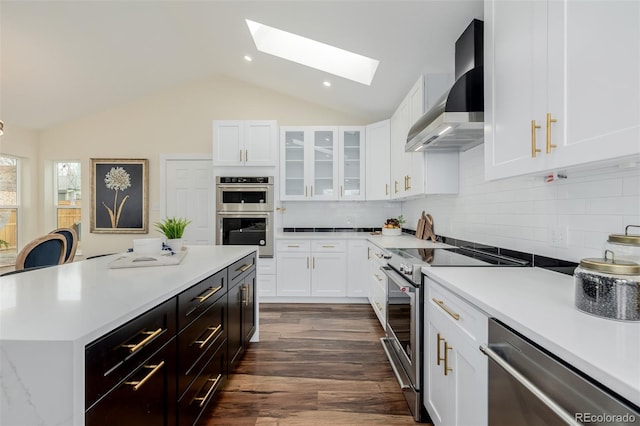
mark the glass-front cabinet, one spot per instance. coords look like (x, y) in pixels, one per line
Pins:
(352, 163)
(322, 163)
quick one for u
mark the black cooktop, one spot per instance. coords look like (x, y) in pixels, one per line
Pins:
(459, 256)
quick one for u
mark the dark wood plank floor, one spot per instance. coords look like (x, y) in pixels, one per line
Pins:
(315, 364)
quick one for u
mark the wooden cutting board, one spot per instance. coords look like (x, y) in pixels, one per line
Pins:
(422, 222)
(428, 233)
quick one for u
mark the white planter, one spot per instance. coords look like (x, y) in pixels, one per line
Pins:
(175, 244)
(391, 232)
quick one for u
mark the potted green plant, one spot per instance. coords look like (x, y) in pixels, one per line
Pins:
(173, 228)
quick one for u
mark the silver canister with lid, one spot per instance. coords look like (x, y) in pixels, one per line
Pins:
(625, 246)
(608, 288)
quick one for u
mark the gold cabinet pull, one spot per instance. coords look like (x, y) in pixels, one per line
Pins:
(408, 184)
(378, 277)
(379, 306)
(328, 246)
(244, 267)
(243, 291)
(311, 190)
(314, 262)
(154, 369)
(293, 245)
(446, 368)
(307, 262)
(368, 253)
(202, 400)
(241, 156)
(549, 144)
(446, 309)
(395, 186)
(246, 155)
(204, 297)
(305, 190)
(439, 358)
(386, 189)
(150, 336)
(341, 191)
(534, 148)
(214, 331)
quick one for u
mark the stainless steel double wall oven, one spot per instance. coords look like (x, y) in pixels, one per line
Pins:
(244, 212)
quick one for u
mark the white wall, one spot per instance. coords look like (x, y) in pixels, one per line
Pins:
(521, 213)
(177, 121)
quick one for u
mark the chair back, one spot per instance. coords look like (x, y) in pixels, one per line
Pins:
(48, 250)
(71, 236)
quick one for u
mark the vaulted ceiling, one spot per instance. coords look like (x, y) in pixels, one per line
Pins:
(60, 60)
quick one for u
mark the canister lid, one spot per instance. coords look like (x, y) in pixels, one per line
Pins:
(626, 238)
(616, 267)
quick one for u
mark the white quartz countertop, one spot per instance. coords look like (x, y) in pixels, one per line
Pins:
(382, 241)
(81, 301)
(540, 305)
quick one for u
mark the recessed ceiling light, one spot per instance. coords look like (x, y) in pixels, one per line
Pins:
(248, 58)
(313, 53)
(326, 83)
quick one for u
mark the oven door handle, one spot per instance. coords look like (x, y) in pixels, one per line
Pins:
(398, 280)
(543, 397)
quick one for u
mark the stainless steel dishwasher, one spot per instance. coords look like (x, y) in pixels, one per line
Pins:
(529, 386)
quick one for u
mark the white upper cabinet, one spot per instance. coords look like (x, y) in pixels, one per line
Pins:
(351, 163)
(562, 84)
(245, 143)
(378, 166)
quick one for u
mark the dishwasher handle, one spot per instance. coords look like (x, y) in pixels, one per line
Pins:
(544, 398)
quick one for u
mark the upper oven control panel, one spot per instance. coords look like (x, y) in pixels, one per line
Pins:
(235, 179)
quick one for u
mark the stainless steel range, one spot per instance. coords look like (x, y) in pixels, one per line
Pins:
(403, 343)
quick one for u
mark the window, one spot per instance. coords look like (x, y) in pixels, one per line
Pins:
(67, 189)
(8, 205)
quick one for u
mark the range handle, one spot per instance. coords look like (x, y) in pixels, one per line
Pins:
(543, 397)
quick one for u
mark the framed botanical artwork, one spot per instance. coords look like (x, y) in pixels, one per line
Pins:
(119, 196)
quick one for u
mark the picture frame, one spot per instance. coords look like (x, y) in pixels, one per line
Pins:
(119, 196)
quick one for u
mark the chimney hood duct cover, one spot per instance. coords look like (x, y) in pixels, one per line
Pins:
(456, 121)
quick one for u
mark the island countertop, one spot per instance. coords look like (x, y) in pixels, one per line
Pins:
(48, 316)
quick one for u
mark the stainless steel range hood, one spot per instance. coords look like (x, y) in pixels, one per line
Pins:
(456, 121)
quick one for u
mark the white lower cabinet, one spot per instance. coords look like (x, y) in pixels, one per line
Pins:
(358, 270)
(455, 369)
(266, 277)
(377, 292)
(315, 268)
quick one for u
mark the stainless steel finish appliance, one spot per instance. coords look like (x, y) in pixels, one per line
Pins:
(528, 385)
(244, 194)
(456, 120)
(403, 343)
(244, 212)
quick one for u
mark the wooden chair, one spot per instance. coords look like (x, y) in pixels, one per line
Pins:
(72, 242)
(48, 250)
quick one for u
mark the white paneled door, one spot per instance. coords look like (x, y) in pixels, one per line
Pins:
(189, 192)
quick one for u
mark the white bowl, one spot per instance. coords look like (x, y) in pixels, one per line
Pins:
(147, 245)
(391, 232)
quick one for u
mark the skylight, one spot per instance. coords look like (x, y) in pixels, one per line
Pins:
(313, 53)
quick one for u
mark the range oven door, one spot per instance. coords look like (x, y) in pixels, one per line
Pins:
(248, 229)
(402, 344)
(235, 197)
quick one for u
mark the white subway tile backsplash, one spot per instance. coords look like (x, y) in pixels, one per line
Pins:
(520, 213)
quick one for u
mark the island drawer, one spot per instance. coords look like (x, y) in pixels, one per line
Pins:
(113, 357)
(194, 301)
(145, 397)
(211, 378)
(203, 336)
(239, 268)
